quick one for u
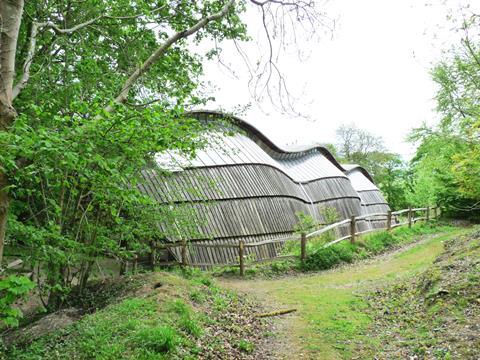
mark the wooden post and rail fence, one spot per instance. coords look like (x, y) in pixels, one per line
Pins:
(390, 218)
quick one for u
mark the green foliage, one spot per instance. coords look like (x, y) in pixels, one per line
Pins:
(388, 170)
(246, 346)
(156, 325)
(431, 312)
(377, 242)
(159, 339)
(76, 198)
(329, 214)
(305, 222)
(445, 167)
(326, 258)
(344, 252)
(75, 169)
(12, 289)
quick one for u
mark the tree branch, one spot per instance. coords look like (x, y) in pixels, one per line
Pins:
(122, 96)
(36, 26)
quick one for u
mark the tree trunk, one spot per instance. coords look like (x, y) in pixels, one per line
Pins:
(10, 18)
(3, 213)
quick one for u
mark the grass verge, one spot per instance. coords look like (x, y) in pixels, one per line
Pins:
(180, 315)
(320, 258)
(332, 317)
(435, 315)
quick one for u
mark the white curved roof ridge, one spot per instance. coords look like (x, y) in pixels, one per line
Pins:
(262, 140)
(239, 149)
(358, 179)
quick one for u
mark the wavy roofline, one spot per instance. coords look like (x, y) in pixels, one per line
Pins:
(349, 168)
(256, 133)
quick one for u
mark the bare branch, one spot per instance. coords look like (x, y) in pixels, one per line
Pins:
(280, 20)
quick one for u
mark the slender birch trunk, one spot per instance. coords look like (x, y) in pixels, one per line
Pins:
(10, 18)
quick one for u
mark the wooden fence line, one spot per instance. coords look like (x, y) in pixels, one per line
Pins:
(304, 237)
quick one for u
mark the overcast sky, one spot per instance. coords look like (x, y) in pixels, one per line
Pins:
(372, 71)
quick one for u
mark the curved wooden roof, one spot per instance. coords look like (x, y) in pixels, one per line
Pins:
(262, 140)
(246, 187)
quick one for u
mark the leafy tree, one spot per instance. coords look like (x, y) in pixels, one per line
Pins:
(89, 92)
(447, 163)
(388, 170)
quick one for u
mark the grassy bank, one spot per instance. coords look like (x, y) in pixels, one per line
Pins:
(332, 318)
(435, 315)
(165, 316)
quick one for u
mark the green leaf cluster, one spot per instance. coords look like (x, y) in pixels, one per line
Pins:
(446, 167)
(12, 289)
(76, 170)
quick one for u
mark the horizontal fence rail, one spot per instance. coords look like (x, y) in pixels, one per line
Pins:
(391, 218)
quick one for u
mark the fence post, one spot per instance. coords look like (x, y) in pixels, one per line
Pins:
(352, 229)
(184, 253)
(410, 217)
(153, 254)
(389, 220)
(123, 267)
(303, 247)
(428, 213)
(241, 248)
(135, 264)
(435, 212)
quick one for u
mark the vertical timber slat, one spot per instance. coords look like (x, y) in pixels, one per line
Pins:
(184, 253)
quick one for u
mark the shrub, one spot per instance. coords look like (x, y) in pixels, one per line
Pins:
(377, 242)
(160, 339)
(246, 346)
(345, 252)
(11, 289)
(322, 259)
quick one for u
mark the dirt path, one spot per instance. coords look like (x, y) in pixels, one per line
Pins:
(330, 320)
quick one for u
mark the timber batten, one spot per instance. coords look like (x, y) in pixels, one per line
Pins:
(245, 188)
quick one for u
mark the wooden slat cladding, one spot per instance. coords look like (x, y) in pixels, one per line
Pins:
(245, 188)
(202, 256)
(372, 200)
(258, 216)
(242, 181)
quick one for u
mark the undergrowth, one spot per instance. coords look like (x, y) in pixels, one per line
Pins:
(436, 314)
(174, 315)
(321, 258)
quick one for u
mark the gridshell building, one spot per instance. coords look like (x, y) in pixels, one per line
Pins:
(245, 187)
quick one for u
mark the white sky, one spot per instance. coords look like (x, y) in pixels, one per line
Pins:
(374, 73)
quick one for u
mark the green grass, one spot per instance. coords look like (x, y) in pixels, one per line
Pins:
(321, 258)
(331, 314)
(246, 346)
(434, 313)
(163, 321)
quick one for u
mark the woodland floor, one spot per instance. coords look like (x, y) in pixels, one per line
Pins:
(335, 318)
(421, 301)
